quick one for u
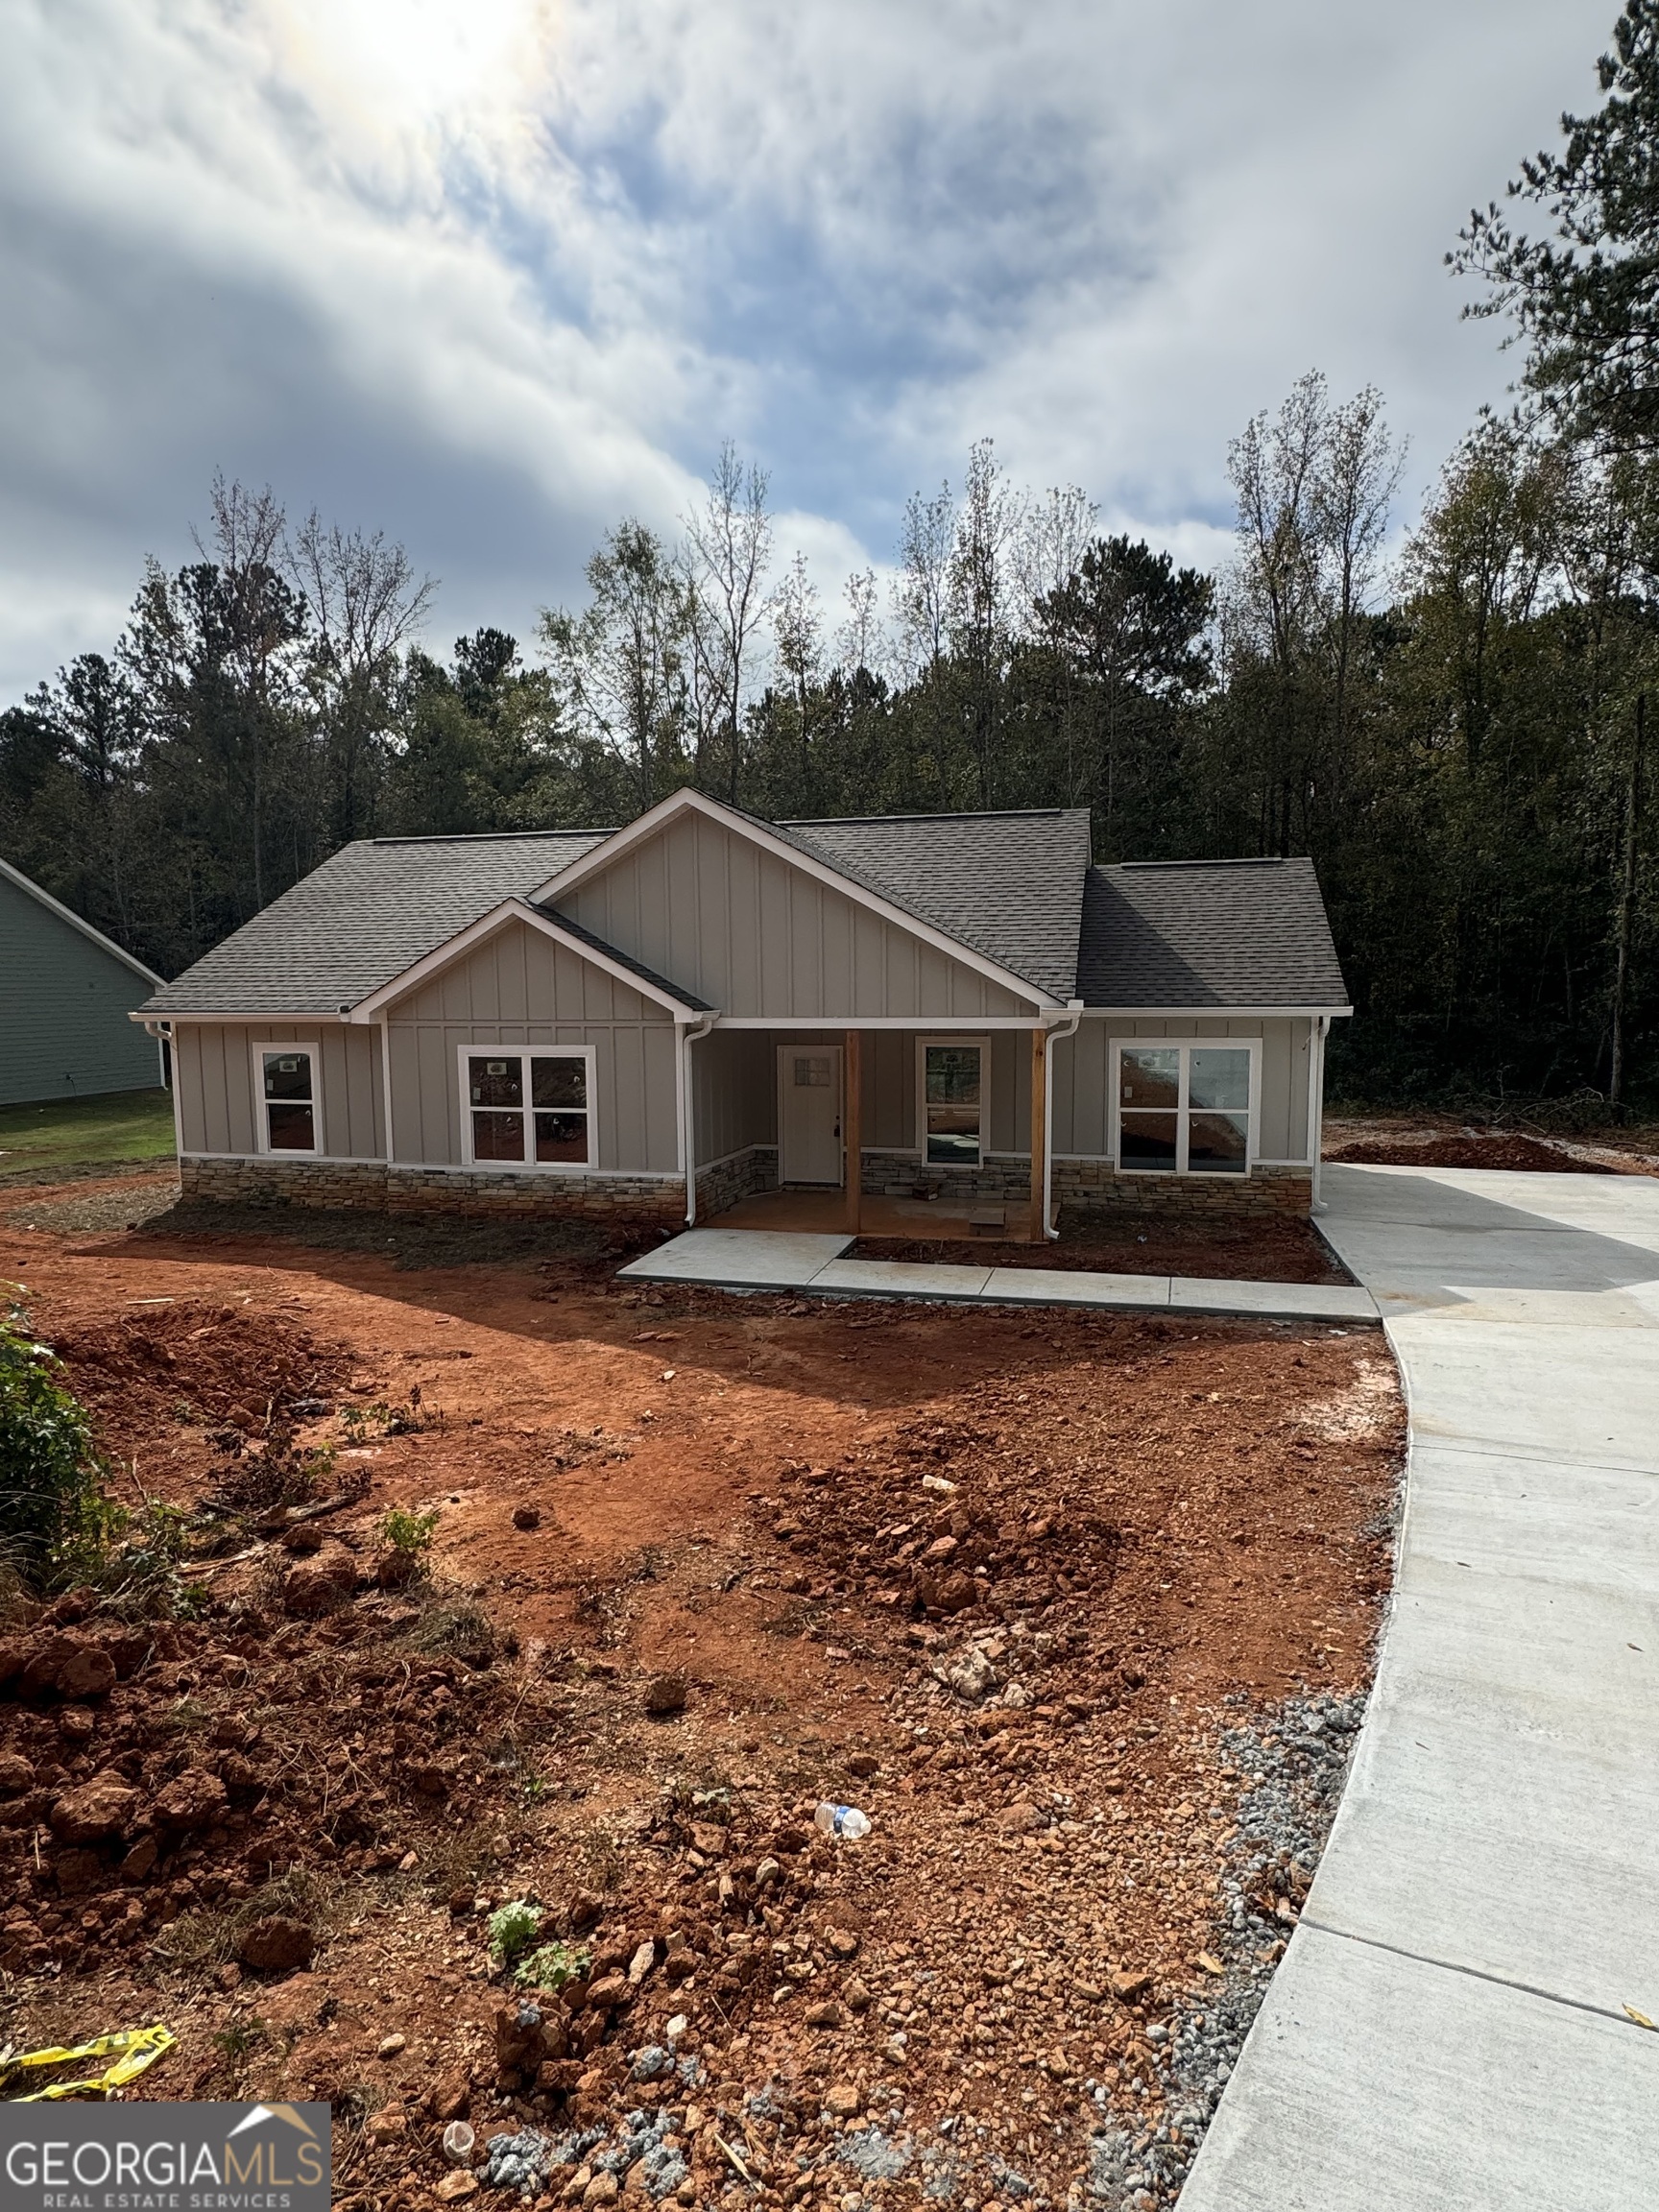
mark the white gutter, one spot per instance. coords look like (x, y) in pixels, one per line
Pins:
(688, 1036)
(1075, 1010)
(1317, 1103)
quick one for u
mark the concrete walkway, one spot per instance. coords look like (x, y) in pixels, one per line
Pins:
(773, 1259)
(1448, 2028)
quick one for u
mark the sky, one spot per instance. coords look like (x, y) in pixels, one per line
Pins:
(488, 274)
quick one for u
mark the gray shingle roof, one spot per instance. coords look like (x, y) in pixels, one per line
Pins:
(626, 960)
(1237, 933)
(369, 912)
(1009, 885)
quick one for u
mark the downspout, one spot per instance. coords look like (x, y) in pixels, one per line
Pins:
(688, 1037)
(163, 1032)
(1316, 1104)
(1075, 1007)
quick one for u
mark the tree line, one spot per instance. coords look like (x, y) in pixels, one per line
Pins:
(1452, 726)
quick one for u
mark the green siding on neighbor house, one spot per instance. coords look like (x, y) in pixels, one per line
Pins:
(63, 1007)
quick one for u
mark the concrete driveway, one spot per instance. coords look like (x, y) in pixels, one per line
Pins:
(1449, 2025)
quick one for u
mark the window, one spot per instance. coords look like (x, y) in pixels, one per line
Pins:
(527, 1109)
(951, 1101)
(287, 1098)
(1184, 1109)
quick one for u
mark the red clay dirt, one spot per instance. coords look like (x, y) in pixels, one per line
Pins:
(801, 1510)
(1495, 1148)
(1266, 1248)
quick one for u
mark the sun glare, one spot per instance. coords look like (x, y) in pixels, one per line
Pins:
(401, 65)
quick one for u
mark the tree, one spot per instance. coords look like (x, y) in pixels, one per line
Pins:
(619, 668)
(364, 603)
(1586, 300)
(729, 548)
(798, 634)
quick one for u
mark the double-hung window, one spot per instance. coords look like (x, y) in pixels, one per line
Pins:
(287, 1098)
(527, 1108)
(952, 1103)
(1184, 1109)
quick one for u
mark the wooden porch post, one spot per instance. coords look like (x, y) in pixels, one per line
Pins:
(853, 1127)
(1038, 1135)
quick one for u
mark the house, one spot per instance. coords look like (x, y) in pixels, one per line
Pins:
(960, 1004)
(65, 993)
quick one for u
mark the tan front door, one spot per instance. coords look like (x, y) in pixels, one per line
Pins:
(809, 1114)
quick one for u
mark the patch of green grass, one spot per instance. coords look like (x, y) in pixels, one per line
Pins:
(77, 1132)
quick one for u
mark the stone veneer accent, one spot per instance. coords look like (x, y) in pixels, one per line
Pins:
(1095, 1185)
(1006, 1177)
(725, 1182)
(331, 1184)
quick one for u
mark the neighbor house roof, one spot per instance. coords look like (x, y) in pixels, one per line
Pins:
(1009, 885)
(1234, 933)
(369, 912)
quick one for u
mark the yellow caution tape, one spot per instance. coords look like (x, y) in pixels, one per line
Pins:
(132, 2049)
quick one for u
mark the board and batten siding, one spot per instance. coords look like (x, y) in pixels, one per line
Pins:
(1082, 1075)
(759, 937)
(213, 1072)
(518, 988)
(735, 1083)
(63, 1007)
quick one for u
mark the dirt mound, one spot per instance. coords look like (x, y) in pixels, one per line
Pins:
(1265, 1248)
(192, 1360)
(1494, 1150)
(167, 1770)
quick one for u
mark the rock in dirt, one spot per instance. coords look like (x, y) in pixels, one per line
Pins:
(96, 1810)
(320, 1583)
(843, 2100)
(1022, 1818)
(970, 1676)
(56, 1659)
(454, 2186)
(665, 1696)
(16, 1774)
(276, 1944)
(450, 2099)
(390, 2125)
(1129, 1983)
(827, 2014)
(192, 1800)
(526, 1517)
(77, 1872)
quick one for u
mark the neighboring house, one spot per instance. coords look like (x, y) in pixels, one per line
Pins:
(559, 1023)
(65, 995)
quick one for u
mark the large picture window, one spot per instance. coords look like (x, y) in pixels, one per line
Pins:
(953, 1100)
(527, 1108)
(287, 1098)
(1184, 1109)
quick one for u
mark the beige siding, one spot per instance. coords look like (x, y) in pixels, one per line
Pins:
(1081, 1075)
(216, 1087)
(519, 988)
(757, 936)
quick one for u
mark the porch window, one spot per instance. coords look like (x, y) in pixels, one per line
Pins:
(528, 1109)
(951, 1105)
(288, 1101)
(1184, 1109)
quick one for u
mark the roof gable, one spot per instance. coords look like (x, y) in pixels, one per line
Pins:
(73, 920)
(1242, 934)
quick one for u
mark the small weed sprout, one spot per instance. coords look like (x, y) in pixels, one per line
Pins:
(512, 1927)
(410, 1532)
(551, 1965)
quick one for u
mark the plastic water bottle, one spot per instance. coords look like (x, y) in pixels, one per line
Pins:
(843, 1822)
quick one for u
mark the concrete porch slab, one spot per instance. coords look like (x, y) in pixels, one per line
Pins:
(739, 1259)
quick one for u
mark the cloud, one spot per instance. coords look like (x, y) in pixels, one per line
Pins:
(491, 273)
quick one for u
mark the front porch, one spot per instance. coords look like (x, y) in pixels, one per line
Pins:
(822, 1212)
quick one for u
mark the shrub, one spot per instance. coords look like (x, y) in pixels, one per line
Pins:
(52, 1506)
(550, 1966)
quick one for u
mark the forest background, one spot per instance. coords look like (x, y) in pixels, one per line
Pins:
(1454, 727)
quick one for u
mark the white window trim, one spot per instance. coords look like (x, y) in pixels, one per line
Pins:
(256, 1050)
(920, 1130)
(524, 1053)
(1185, 1045)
